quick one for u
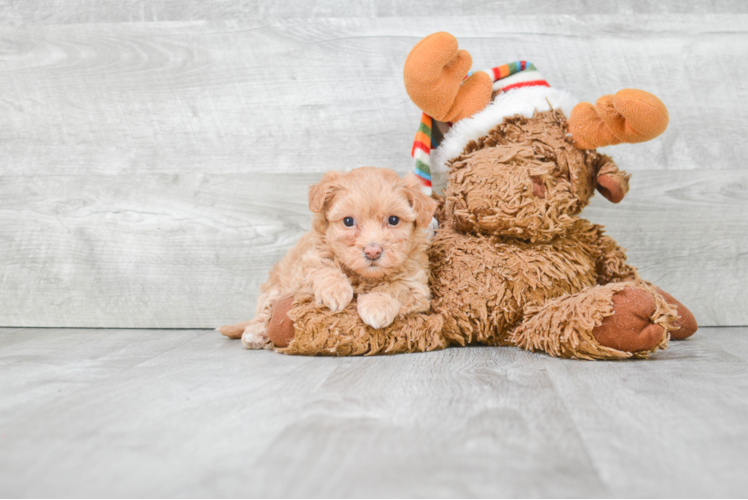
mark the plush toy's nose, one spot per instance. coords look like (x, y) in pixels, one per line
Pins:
(372, 251)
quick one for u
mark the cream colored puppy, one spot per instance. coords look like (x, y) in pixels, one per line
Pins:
(368, 240)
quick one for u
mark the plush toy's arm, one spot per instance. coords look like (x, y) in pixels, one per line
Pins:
(611, 262)
(610, 181)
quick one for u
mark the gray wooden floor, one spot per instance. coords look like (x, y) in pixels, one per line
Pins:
(190, 413)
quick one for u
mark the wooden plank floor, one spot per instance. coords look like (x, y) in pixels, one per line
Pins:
(86, 412)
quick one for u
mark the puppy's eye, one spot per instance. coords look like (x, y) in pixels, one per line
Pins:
(394, 220)
(348, 222)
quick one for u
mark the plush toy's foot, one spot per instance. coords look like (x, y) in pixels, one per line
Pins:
(280, 329)
(686, 323)
(630, 329)
(630, 116)
(435, 79)
(613, 321)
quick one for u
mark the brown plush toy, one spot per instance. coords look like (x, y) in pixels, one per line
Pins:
(511, 262)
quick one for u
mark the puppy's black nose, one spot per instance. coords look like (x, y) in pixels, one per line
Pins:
(372, 252)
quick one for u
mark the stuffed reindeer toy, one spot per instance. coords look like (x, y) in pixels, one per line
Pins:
(511, 263)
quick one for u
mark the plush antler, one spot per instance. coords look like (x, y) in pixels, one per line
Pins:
(629, 116)
(434, 74)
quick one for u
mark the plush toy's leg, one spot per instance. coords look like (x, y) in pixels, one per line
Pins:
(301, 327)
(685, 325)
(612, 267)
(630, 328)
(614, 321)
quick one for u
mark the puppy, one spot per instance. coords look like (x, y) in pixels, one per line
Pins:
(368, 239)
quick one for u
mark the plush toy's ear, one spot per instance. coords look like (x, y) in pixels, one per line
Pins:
(322, 193)
(423, 205)
(612, 183)
(630, 116)
(434, 77)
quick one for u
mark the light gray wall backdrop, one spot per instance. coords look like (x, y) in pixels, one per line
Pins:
(156, 155)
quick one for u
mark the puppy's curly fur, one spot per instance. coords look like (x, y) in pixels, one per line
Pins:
(369, 239)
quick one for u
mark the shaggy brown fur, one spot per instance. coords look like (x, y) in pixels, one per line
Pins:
(504, 254)
(344, 334)
(492, 184)
(512, 264)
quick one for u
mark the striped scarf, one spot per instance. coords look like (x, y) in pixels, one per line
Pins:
(507, 77)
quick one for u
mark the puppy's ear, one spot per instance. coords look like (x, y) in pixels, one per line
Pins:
(424, 206)
(322, 193)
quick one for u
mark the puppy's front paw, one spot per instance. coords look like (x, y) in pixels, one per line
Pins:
(378, 309)
(334, 295)
(255, 337)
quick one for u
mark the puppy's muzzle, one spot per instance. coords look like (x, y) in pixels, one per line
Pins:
(373, 252)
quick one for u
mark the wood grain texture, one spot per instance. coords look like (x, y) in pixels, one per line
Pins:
(310, 95)
(164, 413)
(689, 407)
(15, 12)
(190, 251)
(144, 250)
(154, 170)
(687, 233)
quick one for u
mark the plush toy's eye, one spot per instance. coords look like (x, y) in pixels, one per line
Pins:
(348, 221)
(394, 220)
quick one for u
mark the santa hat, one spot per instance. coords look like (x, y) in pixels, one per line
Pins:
(515, 75)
